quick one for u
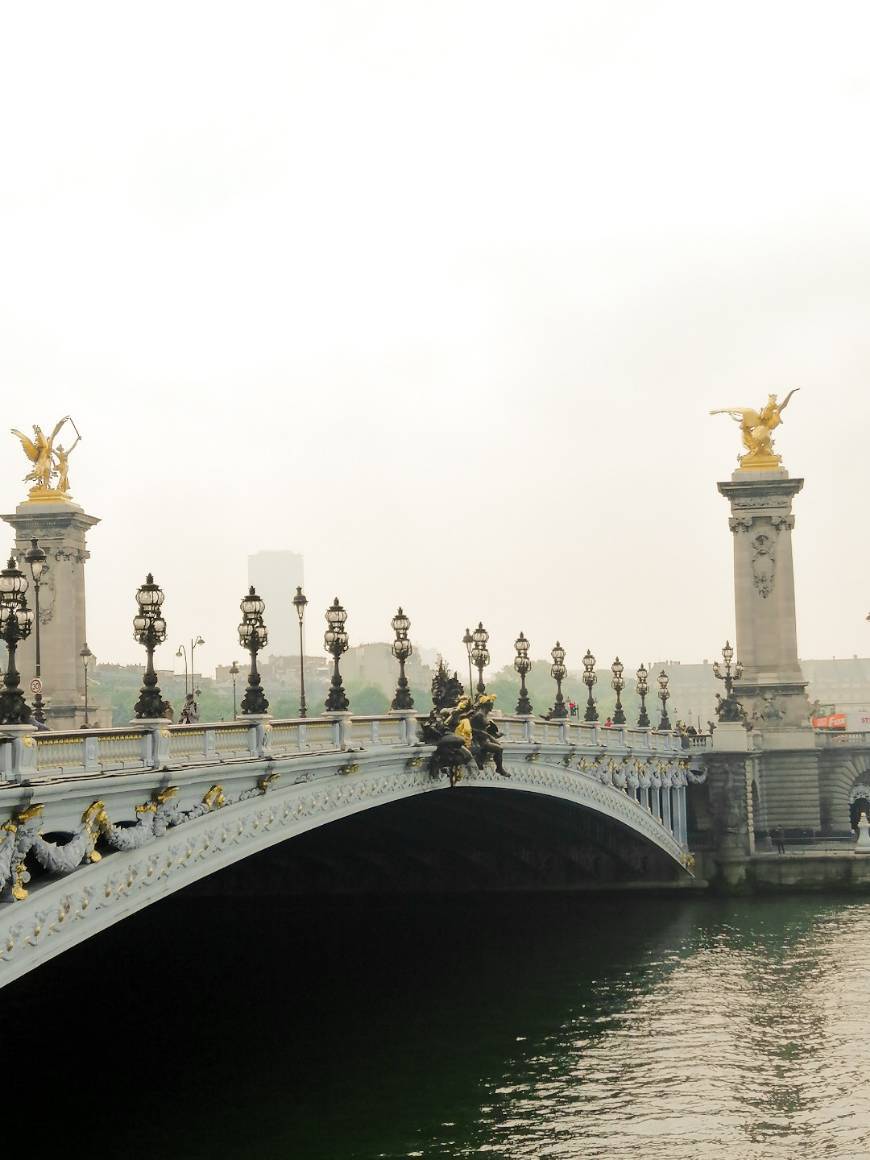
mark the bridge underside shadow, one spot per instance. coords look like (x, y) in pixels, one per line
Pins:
(466, 839)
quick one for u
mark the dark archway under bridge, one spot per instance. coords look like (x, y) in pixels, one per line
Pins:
(467, 840)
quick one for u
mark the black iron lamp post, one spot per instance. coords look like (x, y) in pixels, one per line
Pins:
(589, 679)
(618, 683)
(729, 708)
(335, 639)
(479, 654)
(468, 641)
(16, 621)
(35, 558)
(194, 644)
(401, 651)
(253, 635)
(523, 666)
(87, 656)
(234, 672)
(149, 629)
(663, 680)
(642, 676)
(299, 602)
(558, 672)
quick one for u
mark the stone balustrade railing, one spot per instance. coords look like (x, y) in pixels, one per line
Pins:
(832, 740)
(57, 756)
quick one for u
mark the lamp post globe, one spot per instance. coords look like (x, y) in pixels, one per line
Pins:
(663, 695)
(558, 672)
(149, 629)
(523, 666)
(479, 654)
(618, 684)
(335, 639)
(36, 560)
(253, 636)
(401, 649)
(16, 622)
(642, 686)
(589, 679)
(300, 600)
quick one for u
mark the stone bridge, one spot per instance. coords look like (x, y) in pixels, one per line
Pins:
(95, 825)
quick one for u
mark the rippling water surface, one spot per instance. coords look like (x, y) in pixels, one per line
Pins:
(501, 1027)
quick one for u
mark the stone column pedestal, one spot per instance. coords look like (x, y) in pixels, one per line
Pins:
(61, 528)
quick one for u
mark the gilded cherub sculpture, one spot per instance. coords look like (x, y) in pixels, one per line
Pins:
(48, 461)
(756, 428)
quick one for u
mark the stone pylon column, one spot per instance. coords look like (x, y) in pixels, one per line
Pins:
(772, 689)
(60, 526)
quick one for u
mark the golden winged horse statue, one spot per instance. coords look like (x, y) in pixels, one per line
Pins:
(756, 428)
(48, 461)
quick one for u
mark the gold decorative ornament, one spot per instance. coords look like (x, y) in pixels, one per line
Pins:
(214, 799)
(351, 767)
(49, 461)
(95, 820)
(264, 784)
(756, 428)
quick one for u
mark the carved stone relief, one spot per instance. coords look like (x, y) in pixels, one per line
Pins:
(763, 563)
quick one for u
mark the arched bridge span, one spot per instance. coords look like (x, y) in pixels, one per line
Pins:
(98, 826)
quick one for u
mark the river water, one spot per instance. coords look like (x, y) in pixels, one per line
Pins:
(506, 1027)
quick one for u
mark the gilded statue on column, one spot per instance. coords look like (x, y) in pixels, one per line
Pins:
(50, 462)
(756, 428)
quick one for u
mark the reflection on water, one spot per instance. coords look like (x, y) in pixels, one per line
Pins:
(496, 1027)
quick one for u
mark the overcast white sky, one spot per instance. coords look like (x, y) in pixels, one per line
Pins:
(440, 295)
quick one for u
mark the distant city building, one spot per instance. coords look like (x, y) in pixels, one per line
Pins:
(275, 575)
(374, 664)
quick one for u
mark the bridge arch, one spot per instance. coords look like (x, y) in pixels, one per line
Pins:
(178, 839)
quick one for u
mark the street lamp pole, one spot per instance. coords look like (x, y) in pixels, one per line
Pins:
(401, 650)
(642, 686)
(193, 646)
(618, 683)
(149, 629)
(16, 621)
(479, 654)
(299, 602)
(253, 635)
(558, 672)
(182, 652)
(335, 639)
(728, 709)
(468, 641)
(523, 666)
(234, 672)
(663, 679)
(87, 657)
(35, 558)
(589, 679)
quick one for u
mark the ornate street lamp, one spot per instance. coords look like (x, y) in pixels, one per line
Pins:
(299, 602)
(194, 644)
(642, 686)
(523, 665)
(558, 672)
(149, 629)
(618, 683)
(234, 672)
(253, 635)
(335, 639)
(589, 679)
(728, 708)
(468, 641)
(401, 651)
(479, 654)
(663, 694)
(87, 656)
(35, 558)
(16, 621)
(182, 652)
